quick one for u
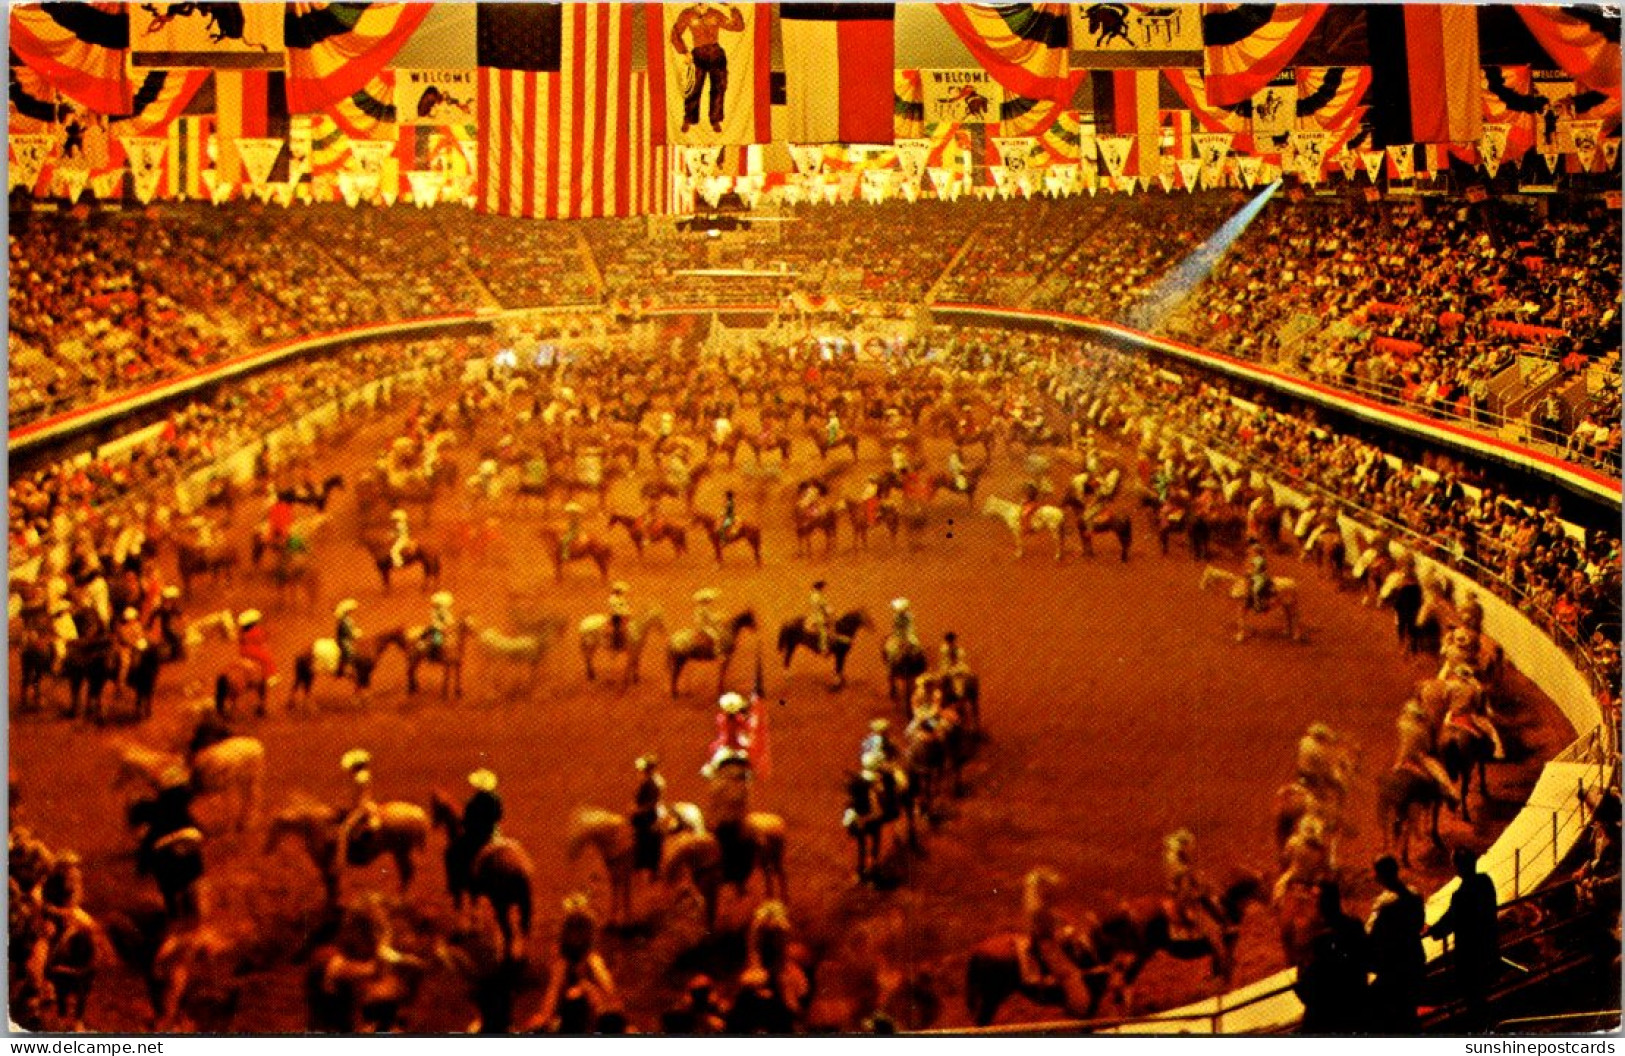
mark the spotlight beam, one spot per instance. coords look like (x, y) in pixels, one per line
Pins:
(1183, 278)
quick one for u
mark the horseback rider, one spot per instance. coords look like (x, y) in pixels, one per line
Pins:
(832, 429)
(572, 529)
(1306, 858)
(811, 496)
(167, 817)
(956, 470)
(360, 826)
(481, 815)
(652, 520)
(1259, 584)
(252, 644)
(869, 499)
(400, 545)
(441, 620)
(725, 526)
(64, 629)
(620, 613)
(1324, 764)
(955, 667)
(279, 522)
(1190, 904)
(347, 634)
(165, 619)
(737, 728)
(878, 742)
(1040, 955)
(773, 990)
(130, 638)
(705, 617)
(902, 625)
(648, 814)
(900, 463)
(864, 794)
(1029, 506)
(1416, 748)
(817, 621)
(1472, 709)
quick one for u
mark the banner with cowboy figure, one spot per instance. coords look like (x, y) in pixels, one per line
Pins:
(710, 69)
(436, 97)
(1113, 34)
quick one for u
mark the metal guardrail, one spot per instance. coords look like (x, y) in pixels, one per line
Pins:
(1603, 1019)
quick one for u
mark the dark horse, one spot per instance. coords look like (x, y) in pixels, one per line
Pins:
(1141, 928)
(361, 667)
(794, 634)
(743, 531)
(994, 973)
(642, 534)
(689, 646)
(309, 495)
(500, 872)
(1400, 792)
(1116, 523)
(903, 666)
(424, 557)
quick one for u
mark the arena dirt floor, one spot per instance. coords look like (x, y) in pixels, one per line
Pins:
(1117, 704)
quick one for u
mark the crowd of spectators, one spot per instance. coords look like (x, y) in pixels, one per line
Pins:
(1434, 304)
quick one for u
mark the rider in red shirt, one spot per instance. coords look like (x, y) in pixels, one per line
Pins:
(252, 643)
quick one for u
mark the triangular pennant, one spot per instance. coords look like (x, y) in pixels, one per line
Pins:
(1190, 171)
(259, 157)
(1212, 147)
(390, 192)
(1550, 158)
(1001, 176)
(1403, 155)
(1309, 152)
(1373, 160)
(1584, 136)
(109, 184)
(912, 155)
(145, 156)
(1349, 162)
(1167, 181)
(426, 186)
(220, 193)
(940, 179)
(1492, 146)
(809, 160)
(72, 181)
(1015, 152)
(28, 154)
(350, 188)
(263, 192)
(283, 193)
(1249, 167)
(1610, 153)
(1114, 152)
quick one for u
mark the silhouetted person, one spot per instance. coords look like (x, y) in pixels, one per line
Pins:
(1396, 926)
(1331, 983)
(1471, 918)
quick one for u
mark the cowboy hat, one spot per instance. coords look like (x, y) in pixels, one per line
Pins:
(170, 592)
(879, 725)
(573, 507)
(249, 618)
(174, 777)
(1320, 731)
(129, 615)
(899, 604)
(356, 759)
(645, 763)
(345, 607)
(397, 515)
(619, 587)
(706, 594)
(484, 780)
(731, 702)
(441, 599)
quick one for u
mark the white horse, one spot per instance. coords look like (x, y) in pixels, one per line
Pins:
(594, 634)
(1283, 593)
(234, 767)
(1046, 520)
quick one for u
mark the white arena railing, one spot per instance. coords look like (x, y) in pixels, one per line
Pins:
(1552, 821)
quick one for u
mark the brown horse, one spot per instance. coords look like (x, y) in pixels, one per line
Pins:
(425, 557)
(585, 548)
(1400, 793)
(239, 678)
(973, 480)
(743, 532)
(768, 440)
(642, 533)
(1141, 928)
(692, 646)
(403, 830)
(886, 512)
(450, 658)
(821, 517)
(665, 489)
(994, 974)
(820, 440)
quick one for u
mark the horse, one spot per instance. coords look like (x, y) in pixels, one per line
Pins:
(316, 496)
(685, 489)
(403, 830)
(768, 441)
(524, 652)
(820, 518)
(450, 658)
(1400, 792)
(217, 562)
(821, 441)
(929, 756)
(34, 660)
(1283, 594)
(594, 634)
(1402, 592)
(994, 974)
(904, 663)
(614, 838)
(239, 678)
(584, 548)
(641, 533)
(323, 657)
(294, 573)
(501, 873)
(1089, 522)
(886, 512)
(692, 646)
(1462, 749)
(696, 855)
(425, 557)
(234, 767)
(1141, 928)
(794, 634)
(743, 531)
(1045, 520)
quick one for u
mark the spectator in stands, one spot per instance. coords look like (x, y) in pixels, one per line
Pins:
(1472, 920)
(1398, 964)
(1332, 981)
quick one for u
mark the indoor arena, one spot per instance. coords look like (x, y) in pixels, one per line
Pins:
(713, 519)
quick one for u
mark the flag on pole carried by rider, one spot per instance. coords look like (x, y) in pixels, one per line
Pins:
(761, 760)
